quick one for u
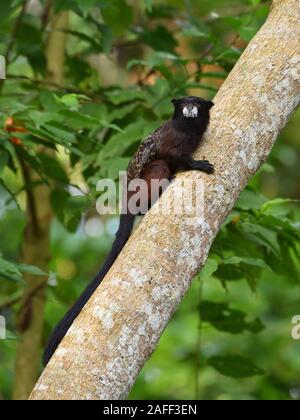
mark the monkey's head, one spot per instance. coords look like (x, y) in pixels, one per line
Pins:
(191, 107)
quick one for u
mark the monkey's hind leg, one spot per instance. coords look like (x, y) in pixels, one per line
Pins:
(157, 175)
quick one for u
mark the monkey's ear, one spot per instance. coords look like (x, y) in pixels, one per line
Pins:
(210, 104)
(174, 101)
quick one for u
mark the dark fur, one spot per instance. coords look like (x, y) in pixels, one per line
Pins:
(165, 152)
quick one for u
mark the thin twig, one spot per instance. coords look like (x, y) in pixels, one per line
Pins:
(69, 89)
(13, 37)
(10, 302)
(46, 14)
(11, 194)
(15, 30)
(25, 312)
(30, 196)
(198, 342)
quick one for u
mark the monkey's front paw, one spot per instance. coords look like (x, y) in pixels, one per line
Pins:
(204, 166)
(208, 167)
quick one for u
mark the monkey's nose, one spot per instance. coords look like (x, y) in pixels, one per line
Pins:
(190, 111)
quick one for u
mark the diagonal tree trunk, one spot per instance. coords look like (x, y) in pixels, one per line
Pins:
(119, 328)
(36, 249)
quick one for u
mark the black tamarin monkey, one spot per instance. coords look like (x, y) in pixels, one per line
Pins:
(166, 151)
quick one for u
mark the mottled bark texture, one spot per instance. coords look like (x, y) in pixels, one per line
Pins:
(119, 328)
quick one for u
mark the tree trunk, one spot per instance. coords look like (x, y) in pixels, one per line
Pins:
(36, 248)
(120, 326)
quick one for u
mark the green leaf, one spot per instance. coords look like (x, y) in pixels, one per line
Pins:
(118, 143)
(77, 69)
(71, 101)
(112, 167)
(262, 236)
(119, 96)
(215, 74)
(194, 31)
(160, 11)
(59, 133)
(121, 112)
(233, 216)
(39, 118)
(234, 22)
(106, 37)
(5, 10)
(149, 4)
(254, 2)
(74, 210)
(231, 53)
(30, 269)
(226, 319)
(12, 225)
(117, 15)
(209, 269)
(267, 168)
(59, 198)
(94, 43)
(235, 366)
(135, 62)
(86, 5)
(160, 39)
(50, 101)
(279, 207)
(246, 260)
(10, 271)
(53, 168)
(237, 268)
(160, 57)
(280, 224)
(3, 159)
(29, 44)
(247, 32)
(79, 121)
(115, 127)
(250, 199)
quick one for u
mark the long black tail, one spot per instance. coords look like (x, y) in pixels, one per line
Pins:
(123, 233)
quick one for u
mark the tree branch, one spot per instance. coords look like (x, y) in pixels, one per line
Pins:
(31, 199)
(15, 30)
(120, 326)
(13, 37)
(51, 84)
(10, 302)
(46, 14)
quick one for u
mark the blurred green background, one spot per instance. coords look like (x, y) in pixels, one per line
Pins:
(86, 82)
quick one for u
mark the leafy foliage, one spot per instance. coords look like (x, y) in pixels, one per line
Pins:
(124, 61)
(234, 366)
(225, 319)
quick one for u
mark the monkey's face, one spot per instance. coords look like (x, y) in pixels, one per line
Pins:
(191, 106)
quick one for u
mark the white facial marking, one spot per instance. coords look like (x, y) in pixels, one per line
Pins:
(190, 112)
